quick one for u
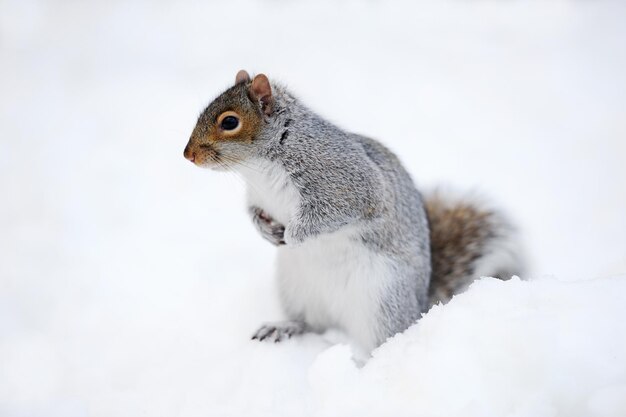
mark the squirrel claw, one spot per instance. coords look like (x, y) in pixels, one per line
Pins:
(277, 332)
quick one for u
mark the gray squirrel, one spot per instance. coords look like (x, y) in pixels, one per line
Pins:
(358, 247)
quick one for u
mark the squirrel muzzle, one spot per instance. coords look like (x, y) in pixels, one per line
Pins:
(201, 154)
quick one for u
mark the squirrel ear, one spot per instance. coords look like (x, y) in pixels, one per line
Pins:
(242, 77)
(260, 90)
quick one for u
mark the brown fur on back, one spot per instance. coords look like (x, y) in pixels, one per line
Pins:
(459, 234)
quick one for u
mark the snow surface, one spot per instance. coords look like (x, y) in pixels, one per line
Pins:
(130, 281)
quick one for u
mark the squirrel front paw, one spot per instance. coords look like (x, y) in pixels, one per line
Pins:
(278, 331)
(270, 230)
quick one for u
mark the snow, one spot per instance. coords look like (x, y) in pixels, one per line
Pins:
(540, 348)
(130, 281)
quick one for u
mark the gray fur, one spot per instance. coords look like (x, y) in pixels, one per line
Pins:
(342, 179)
(346, 179)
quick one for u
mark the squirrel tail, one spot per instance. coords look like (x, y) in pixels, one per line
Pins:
(468, 240)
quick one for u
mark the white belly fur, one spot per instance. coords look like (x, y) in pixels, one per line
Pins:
(334, 281)
(331, 280)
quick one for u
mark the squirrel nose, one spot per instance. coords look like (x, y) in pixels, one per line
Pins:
(191, 156)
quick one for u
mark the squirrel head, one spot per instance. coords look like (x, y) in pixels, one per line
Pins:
(231, 123)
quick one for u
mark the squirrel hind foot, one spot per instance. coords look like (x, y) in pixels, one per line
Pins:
(279, 331)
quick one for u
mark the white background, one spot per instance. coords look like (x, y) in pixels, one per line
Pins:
(127, 275)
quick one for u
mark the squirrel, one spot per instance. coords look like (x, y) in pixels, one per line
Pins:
(358, 246)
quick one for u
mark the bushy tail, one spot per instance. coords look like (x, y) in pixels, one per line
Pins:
(468, 240)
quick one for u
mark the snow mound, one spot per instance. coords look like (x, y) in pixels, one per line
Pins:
(515, 348)
(518, 348)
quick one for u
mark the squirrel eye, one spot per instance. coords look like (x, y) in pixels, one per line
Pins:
(229, 123)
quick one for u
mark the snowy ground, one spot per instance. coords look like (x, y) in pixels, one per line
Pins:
(130, 281)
